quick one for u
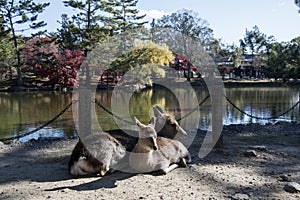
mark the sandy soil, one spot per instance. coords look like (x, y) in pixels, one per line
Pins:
(38, 170)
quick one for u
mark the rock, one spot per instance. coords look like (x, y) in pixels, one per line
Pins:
(250, 153)
(259, 147)
(285, 178)
(240, 196)
(292, 187)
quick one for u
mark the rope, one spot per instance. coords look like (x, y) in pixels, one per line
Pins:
(112, 114)
(42, 126)
(199, 105)
(262, 118)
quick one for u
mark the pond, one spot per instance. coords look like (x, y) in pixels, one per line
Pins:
(24, 112)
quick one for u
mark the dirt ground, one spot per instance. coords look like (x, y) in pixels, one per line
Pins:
(39, 170)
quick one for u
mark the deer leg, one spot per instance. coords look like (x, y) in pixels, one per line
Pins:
(170, 168)
(182, 162)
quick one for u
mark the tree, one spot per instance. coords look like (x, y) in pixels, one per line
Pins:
(124, 15)
(87, 24)
(45, 60)
(253, 41)
(297, 2)
(185, 33)
(276, 61)
(188, 24)
(293, 58)
(237, 56)
(7, 57)
(143, 62)
(254, 44)
(20, 16)
(67, 34)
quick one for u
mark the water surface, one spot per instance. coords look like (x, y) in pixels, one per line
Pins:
(22, 112)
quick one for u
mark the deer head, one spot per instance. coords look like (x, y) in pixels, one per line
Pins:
(166, 125)
(147, 132)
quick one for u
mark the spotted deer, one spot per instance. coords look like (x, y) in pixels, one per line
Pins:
(104, 150)
(156, 154)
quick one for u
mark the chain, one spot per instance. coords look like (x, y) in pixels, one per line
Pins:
(194, 109)
(111, 113)
(42, 126)
(262, 118)
(129, 122)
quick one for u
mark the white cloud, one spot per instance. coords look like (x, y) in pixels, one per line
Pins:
(153, 14)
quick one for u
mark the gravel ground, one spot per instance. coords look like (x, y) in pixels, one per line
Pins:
(255, 163)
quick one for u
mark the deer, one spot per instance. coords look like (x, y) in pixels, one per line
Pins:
(96, 154)
(156, 154)
(107, 148)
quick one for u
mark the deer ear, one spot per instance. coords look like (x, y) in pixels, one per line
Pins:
(157, 111)
(138, 123)
(152, 121)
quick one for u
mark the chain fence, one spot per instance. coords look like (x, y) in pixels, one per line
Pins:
(261, 118)
(131, 123)
(111, 113)
(42, 126)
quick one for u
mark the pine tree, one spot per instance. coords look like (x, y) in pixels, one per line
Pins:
(68, 37)
(87, 23)
(124, 15)
(19, 16)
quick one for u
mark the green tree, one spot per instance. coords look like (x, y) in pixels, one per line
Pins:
(254, 41)
(87, 24)
(276, 61)
(124, 15)
(255, 44)
(20, 16)
(7, 57)
(293, 58)
(67, 34)
(2, 25)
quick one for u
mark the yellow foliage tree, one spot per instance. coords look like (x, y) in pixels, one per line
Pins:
(144, 62)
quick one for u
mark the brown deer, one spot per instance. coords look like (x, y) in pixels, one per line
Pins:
(108, 148)
(156, 154)
(104, 152)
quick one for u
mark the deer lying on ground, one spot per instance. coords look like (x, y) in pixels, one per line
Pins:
(104, 150)
(156, 154)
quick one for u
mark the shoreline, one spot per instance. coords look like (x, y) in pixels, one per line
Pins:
(194, 83)
(227, 130)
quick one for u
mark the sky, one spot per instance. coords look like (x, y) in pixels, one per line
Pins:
(228, 19)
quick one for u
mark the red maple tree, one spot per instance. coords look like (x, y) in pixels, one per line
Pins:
(45, 60)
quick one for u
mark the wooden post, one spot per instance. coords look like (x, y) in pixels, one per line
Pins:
(217, 116)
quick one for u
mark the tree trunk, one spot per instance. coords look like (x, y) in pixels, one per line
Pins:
(17, 51)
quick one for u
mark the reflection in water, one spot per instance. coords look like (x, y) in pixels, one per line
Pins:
(23, 112)
(261, 102)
